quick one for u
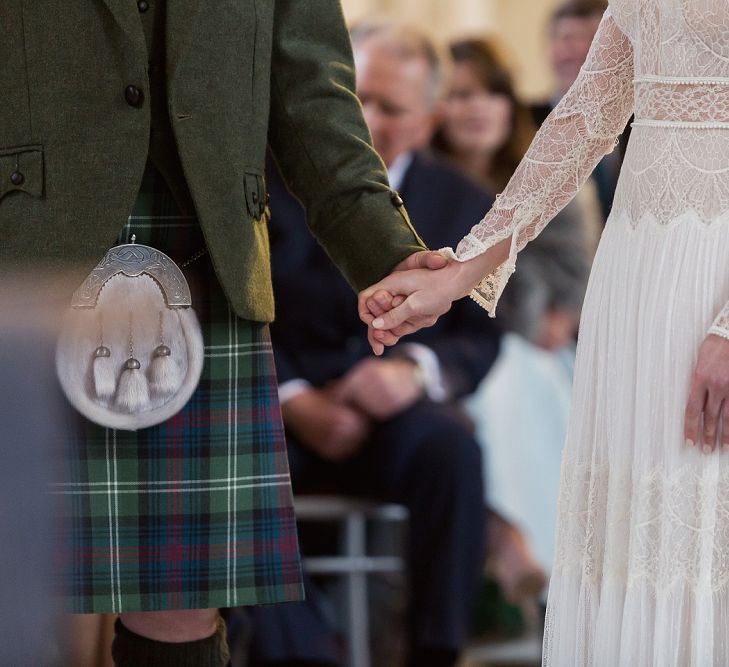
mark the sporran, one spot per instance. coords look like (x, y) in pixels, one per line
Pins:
(130, 353)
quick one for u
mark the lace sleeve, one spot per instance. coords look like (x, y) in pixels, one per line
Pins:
(720, 327)
(579, 132)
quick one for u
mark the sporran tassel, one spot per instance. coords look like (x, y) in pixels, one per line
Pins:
(104, 380)
(102, 367)
(165, 375)
(132, 394)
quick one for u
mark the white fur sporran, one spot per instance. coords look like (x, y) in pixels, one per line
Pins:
(130, 353)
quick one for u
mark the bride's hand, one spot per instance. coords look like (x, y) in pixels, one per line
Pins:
(709, 396)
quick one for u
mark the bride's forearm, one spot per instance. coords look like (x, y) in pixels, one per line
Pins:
(471, 272)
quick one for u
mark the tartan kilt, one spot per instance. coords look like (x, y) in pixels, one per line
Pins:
(196, 512)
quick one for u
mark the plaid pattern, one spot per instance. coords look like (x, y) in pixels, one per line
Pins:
(196, 512)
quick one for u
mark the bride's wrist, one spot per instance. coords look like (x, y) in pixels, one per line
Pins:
(473, 271)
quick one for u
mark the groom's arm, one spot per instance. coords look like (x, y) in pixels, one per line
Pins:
(323, 148)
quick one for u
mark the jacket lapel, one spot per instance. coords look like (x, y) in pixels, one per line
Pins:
(181, 15)
(125, 14)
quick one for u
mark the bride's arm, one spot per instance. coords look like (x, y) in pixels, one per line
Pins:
(578, 133)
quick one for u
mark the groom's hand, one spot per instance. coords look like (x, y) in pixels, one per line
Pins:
(425, 259)
(382, 301)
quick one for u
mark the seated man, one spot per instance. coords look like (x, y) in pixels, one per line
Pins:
(375, 427)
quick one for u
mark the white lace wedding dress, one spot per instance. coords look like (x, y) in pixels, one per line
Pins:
(641, 573)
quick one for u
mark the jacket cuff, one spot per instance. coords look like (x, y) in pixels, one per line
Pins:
(370, 238)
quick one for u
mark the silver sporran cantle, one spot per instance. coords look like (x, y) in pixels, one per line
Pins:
(130, 353)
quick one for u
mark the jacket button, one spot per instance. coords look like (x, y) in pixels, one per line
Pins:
(133, 96)
(143, 6)
(397, 199)
(254, 197)
(17, 178)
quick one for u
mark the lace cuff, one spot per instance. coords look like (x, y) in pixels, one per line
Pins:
(488, 292)
(720, 327)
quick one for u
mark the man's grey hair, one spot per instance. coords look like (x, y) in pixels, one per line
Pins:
(406, 42)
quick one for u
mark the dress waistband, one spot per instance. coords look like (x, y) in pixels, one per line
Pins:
(682, 103)
(681, 125)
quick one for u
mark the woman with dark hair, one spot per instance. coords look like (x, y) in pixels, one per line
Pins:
(486, 129)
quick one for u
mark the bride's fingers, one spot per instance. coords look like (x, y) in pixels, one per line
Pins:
(396, 317)
(712, 410)
(692, 417)
(377, 347)
(387, 338)
(725, 426)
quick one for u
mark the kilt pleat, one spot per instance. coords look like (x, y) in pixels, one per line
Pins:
(196, 512)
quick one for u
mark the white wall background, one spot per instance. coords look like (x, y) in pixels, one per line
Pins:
(521, 26)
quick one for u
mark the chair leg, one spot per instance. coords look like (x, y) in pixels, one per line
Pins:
(357, 603)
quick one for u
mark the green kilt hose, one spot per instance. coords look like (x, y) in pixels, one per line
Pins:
(196, 512)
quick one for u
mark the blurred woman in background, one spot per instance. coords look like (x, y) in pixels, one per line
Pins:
(486, 129)
(521, 408)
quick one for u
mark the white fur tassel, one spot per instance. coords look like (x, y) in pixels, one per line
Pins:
(165, 376)
(104, 380)
(133, 392)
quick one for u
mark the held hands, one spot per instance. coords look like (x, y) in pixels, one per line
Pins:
(709, 397)
(419, 291)
(381, 301)
(407, 301)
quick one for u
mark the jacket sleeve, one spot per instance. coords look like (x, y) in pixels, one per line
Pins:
(322, 146)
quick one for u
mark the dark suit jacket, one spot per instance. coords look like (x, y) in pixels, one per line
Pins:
(239, 74)
(317, 334)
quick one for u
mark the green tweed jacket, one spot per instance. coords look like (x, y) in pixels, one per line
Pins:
(241, 74)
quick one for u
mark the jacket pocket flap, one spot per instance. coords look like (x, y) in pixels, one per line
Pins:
(21, 169)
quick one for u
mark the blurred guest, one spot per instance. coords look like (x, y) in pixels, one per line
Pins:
(383, 427)
(486, 131)
(572, 29)
(521, 408)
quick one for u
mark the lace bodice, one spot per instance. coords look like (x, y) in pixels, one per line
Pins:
(666, 62)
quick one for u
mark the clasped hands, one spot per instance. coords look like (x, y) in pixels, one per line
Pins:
(419, 290)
